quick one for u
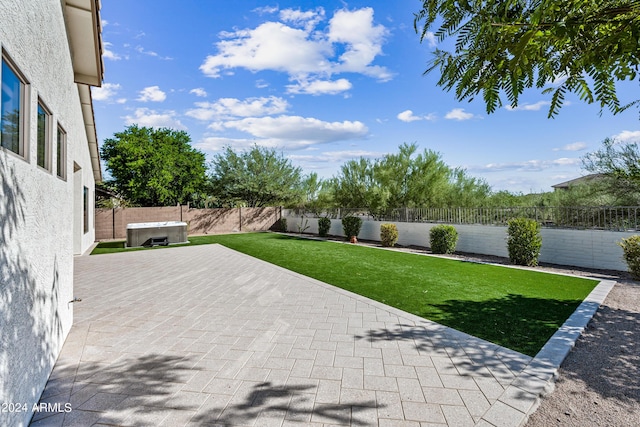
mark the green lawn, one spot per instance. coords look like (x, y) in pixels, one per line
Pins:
(518, 309)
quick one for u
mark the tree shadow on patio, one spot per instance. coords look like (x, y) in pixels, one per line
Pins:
(266, 403)
(30, 324)
(124, 391)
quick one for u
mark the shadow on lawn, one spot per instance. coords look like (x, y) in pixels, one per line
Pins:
(516, 322)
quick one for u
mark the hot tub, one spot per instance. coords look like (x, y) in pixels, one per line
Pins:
(156, 233)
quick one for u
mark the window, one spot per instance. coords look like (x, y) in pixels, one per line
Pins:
(86, 209)
(11, 109)
(61, 153)
(44, 125)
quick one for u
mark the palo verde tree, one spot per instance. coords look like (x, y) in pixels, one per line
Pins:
(506, 46)
(154, 167)
(619, 164)
(254, 178)
(406, 179)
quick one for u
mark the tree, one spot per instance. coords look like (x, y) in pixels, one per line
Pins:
(356, 187)
(406, 179)
(619, 163)
(583, 46)
(256, 178)
(154, 167)
(316, 194)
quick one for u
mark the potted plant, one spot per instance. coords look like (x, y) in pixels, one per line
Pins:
(351, 226)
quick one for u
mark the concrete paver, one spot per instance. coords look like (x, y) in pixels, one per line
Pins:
(204, 335)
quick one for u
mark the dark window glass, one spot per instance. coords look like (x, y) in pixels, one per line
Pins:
(10, 109)
(61, 151)
(43, 117)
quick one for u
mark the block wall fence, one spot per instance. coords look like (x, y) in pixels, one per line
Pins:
(580, 248)
(112, 223)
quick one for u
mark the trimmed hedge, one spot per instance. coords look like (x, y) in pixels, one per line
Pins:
(351, 226)
(443, 239)
(388, 235)
(631, 248)
(324, 224)
(524, 241)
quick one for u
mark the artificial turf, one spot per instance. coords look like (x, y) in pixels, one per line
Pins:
(516, 308)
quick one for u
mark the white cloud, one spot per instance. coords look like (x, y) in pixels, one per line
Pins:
(529, 107)
(199, 92)
(628, 136)
(265, 10)
(363, 41)
(143, 51)
(293, 132)
(431, 39)
(107, 53)
(271, 46)
(408, 116)
(459, 114)
(558, 81)
(151, 118)
(104, 93)
(335, 156)
(153, 94)
(225, 108)
(320, 87)
(305, 54)
(576, 146)
(307, 20)
(526, 166)
(218, 143)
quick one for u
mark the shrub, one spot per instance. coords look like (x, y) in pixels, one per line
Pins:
(388, 234)
(324, 224)
(524, 241)
(281, 225)
(351, 226)
(631, 249)
(443, 239)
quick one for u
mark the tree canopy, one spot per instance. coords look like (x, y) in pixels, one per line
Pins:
(619, 163)
(559, 46)
(154, 167)
(406, 179)
(255, 178)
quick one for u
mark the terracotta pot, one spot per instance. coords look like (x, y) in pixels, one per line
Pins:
(353, 239)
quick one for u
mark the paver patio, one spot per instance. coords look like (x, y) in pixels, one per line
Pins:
(204, 335)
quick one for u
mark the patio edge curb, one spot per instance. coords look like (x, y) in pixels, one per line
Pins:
(524, 395)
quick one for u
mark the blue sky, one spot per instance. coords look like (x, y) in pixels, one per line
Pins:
(324, 82)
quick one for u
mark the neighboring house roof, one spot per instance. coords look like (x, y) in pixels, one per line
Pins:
(82, 18)
(581, 180)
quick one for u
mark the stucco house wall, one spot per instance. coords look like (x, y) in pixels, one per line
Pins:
(41, 214)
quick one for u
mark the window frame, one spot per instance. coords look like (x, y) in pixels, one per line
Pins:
(86, 207)
(23, 113)
(61, 153)
(46, 134)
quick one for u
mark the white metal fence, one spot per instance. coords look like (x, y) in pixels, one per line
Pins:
(613, 218)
